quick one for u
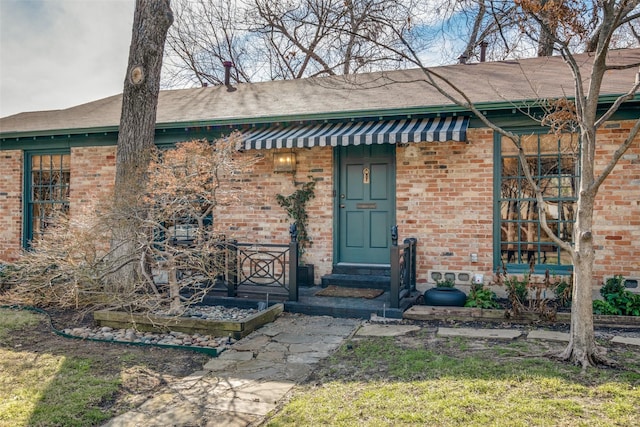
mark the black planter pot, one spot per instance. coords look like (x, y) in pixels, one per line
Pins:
(451, 297)
(305, 275)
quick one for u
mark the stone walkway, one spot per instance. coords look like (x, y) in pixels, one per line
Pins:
(246, 382)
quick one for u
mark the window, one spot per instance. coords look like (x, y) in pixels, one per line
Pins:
(47, 192)
(554, 166)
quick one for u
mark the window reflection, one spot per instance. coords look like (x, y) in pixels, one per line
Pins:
(49, 197)
(553, 163)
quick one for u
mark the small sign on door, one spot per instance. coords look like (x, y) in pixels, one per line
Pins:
(365, 175)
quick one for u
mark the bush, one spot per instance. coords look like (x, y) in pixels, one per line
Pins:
(517, 289)
(481, 298)
(617, 300)
(563, 293)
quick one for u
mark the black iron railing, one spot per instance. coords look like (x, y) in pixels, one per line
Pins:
(403, 268)
(266, 265)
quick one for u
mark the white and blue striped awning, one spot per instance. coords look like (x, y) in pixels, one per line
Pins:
(356, 133)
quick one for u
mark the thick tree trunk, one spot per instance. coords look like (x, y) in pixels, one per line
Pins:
(151, 22)
(582, 349)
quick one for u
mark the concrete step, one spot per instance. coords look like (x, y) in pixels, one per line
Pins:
(362, 269)
(357, 281)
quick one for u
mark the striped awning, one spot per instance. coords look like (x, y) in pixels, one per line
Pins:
(356, 133)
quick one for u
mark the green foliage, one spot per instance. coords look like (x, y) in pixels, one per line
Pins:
(481, 298)
(447, 283)
(517, 289)
(605, 307)
(563, 293)
(295, 204)
(617, 300)
(613, 285)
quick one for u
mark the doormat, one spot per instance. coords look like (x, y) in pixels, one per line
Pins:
(340, 291)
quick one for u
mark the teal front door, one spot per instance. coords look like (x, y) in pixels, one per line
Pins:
(366, 203)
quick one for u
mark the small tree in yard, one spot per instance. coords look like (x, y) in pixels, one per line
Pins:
(185, 187)
(571, 25)
(70, 265)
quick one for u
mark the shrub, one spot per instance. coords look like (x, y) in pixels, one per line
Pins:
(481, 298)
(617, 300)
(563, 293)
(517, 289)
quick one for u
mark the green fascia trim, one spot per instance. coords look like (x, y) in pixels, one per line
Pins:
(504, 109)
(60, 141)
(57, 133)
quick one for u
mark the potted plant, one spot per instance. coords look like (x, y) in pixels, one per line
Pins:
(445, 294)
(295, 204)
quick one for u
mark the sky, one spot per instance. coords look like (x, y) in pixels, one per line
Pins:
(56, 54)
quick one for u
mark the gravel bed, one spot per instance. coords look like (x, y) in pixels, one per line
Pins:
(130, 335)
(216, 312)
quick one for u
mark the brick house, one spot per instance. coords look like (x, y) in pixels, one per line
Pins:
(385, 149)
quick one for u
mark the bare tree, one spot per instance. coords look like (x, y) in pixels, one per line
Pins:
(271, 39)
(136, 134)
(510, 32)
(572, 27)
(178, 235)
(177, 243)
(205, 34)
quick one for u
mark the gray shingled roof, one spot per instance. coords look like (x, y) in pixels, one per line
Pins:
(352, 96)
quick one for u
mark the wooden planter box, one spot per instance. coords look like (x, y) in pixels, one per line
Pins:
(426, 312)
(216, 328)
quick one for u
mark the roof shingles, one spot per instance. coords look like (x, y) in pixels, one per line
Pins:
(345, 96)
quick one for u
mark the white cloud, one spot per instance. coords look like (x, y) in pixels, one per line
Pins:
(59, 53)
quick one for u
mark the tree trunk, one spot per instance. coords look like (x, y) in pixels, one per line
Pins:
(582, 349)
(151, 22)
(548, 26)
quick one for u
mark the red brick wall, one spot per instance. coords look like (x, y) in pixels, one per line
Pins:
(617, 208)
(93, 171)
(10, 204)
(256, 217)
(444, 199)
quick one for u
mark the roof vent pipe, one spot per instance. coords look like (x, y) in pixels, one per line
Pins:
(483, 51)
(227, 72)
(462, 58)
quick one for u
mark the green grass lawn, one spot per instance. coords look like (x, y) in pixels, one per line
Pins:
(419, 379)
(45, 389)
(380, 382)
